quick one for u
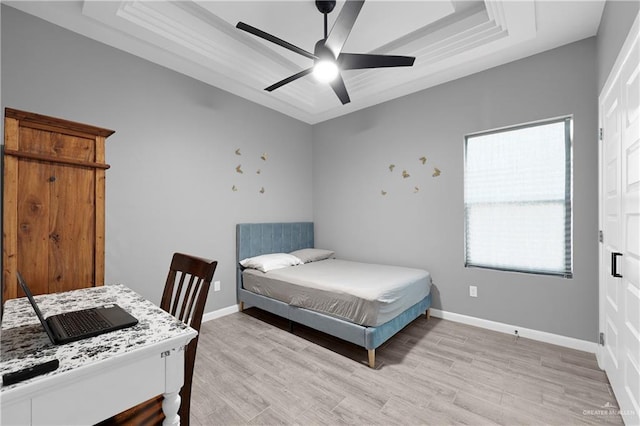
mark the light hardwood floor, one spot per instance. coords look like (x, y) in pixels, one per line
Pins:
(251, 370)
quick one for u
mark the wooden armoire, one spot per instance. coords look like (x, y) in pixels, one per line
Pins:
(53, 203)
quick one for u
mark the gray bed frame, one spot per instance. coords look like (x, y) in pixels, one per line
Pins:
(253, 239)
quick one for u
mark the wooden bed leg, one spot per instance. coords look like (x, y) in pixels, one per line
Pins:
(241, 306)
(428, 314)
(372, 358)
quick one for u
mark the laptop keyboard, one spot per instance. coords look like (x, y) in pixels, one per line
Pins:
(82, 322)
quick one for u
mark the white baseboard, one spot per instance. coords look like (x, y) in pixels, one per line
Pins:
(208, 316)
(541, 336)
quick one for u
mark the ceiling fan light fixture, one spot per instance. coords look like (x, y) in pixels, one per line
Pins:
(325, 71)
(328, 54)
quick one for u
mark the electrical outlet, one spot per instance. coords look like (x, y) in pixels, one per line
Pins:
(473, 291)
(216, 286)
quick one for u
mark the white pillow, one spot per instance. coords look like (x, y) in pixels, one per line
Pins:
(312, 254)
(269, 262)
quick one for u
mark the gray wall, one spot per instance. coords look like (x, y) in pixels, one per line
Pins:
(617, 18)
(351, 156)
(173, 154)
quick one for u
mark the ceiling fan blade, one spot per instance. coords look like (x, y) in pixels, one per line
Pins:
(357, 61)
(343, 25)
(341, 91)
(273, 39)
(288, 79)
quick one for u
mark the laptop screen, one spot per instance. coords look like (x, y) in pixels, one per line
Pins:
(26, 290)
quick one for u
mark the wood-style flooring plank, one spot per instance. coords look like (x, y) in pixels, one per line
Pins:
(250, 370)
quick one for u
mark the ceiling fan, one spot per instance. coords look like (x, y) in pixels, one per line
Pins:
(328, 57)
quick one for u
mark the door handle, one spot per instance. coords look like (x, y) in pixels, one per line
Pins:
(614, 264)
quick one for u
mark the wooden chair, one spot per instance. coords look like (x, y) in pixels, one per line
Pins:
(184, 296)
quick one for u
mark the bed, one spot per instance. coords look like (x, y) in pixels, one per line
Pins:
(367, 318)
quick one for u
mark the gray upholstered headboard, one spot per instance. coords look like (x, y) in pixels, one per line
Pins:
(253, 239)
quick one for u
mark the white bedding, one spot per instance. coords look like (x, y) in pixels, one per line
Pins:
(363, 293)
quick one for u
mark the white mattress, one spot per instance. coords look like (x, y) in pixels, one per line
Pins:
(363, 293)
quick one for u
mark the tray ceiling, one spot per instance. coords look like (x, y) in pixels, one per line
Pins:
(450, 39)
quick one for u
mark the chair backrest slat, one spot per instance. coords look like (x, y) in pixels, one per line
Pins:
(188, 298)
(176, 294)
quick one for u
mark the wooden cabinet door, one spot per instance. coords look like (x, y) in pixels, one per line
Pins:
(72, 236)
(54, 204)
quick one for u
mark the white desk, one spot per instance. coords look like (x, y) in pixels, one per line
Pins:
(98, 377)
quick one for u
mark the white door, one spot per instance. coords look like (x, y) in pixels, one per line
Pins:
(620, 223)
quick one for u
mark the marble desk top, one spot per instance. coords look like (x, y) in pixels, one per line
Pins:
(23, 341)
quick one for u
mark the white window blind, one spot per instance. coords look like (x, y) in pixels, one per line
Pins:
(517, 196)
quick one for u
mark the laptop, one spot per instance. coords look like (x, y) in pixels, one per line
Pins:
(77, 325)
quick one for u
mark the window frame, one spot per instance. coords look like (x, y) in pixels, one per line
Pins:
(567, 271)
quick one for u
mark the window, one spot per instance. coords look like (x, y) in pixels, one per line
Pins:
(517, 198)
